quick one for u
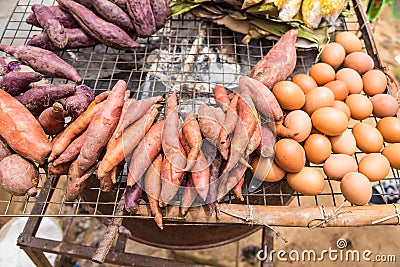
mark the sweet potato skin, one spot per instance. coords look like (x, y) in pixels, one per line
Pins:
(71, 152)
(62, 16)
(77, 38)
(192, 135)
(18, 176)
(99, 29)
(5, 150)
(221, 97)
(152, 186)
(21, 130)
(142, 16)
(53, 28)
(77, 103)
(43, 61)
(52, 119)
(230, 120)
(102, 127)
(132, 196)
(267, 144)
(145, 153)
(161, 12)
(16, 82)
(279, 62)
(38, 98)
(114, 14)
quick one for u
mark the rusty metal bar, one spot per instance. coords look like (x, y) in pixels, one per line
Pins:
(37, 256)
(85, 252)
(267, 241)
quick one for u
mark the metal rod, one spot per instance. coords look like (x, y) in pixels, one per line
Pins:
(37, 257)
(267, 241)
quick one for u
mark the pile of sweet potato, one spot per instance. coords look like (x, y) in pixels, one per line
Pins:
(83, 23)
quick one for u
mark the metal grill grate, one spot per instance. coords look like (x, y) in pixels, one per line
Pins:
(162, 64)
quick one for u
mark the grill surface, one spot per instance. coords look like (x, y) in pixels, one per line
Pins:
(189, 55)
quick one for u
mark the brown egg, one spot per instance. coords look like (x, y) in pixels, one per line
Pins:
(384, 105)
(339, 89)
(356, 188)
(344, 143)
(359, 61)
(389, 127)
(317, 148)
(289, 95)
(317, 98)
(340, 105)
(305, 81)
(322, 73)
(289, 155)
(374, 82)
(374, 166)
(368, 138)
(360, 106)
(351, 78)
(265, 169)
(392, 153)
(349, 41)
(333, 54)
(300, 122)
(309, 181)
(329, 121)
(338, 165)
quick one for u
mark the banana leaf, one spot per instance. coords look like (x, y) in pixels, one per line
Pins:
(249, 3)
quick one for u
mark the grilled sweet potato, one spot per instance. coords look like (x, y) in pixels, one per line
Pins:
(77, 103)
(142, 16)
(5, 149)
(21, 130)
(113, 13)
(161, 12)
(62, 16)
(152, 186)
(52, 119)
(16, 82)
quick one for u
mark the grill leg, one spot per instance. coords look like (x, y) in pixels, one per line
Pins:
(267, 242)
(38, 258)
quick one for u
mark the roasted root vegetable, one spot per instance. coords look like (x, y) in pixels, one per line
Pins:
(18, 176)
(113, 13)
(16, 82)
(38, 98)
(21, 130)
(142, 17)
(215, 168)
(73, 130)
(5, 150)
(245, 126)
(254, 142)
(192, 134)
(230, 120)
(61, 169)
(188, 196)
(264, 100)
(161, 12)
(170, 134)
(71, 152)
(267, 144)
(8, 65)
(221, 97)
(121, 147)
(132, 196)
(279, 62)
(152, 186)
(145, 153)
(52, 119)
(104, 32)
(77, 38)
(77, 103)
(282, 131)
(62, 16)
(77, 181)
(102, 127)
(43, 61)
(51, 26)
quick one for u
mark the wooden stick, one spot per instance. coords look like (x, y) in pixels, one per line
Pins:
(111, 233)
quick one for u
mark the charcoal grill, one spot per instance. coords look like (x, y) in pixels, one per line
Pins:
(191, 55)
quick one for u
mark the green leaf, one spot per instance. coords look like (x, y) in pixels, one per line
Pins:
(181, 8)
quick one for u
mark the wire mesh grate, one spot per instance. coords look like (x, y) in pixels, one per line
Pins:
(158, 67)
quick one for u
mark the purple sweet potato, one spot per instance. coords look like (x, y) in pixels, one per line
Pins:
(5, 149)
(77, 38)
(77, 103)
(52, 119)
(263, 98)
(152, 186)
(62, 16)
(145, 153)
(113, 13)
(135, 111)
(102, 127)
(104, 32)
(16, 82)
(8, 65)
(51, 26)
(142, 16)
(43, 61)
(21, 130)
(132, 196)
(215, 168)
(161, 12)
(18, 176)
(279, 62)
(39, 98)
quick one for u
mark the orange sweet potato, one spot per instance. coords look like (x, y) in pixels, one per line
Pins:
(188, 196)
(221, 97)
(21, 130)
(230, 120)
(192, 134)
(152, 186)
